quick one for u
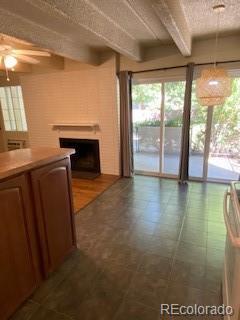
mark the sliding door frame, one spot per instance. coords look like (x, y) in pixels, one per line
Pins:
(207, 142)
(162, 129)
(160, 173)
(206, 152)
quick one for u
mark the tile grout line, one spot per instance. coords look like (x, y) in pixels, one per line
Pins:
(127, 291)
(175, 252)
(173, 259)
(52, 310)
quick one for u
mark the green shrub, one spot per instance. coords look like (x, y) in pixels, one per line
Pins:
(177, 122)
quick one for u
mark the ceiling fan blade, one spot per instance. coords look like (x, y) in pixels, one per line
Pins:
(32, 52)
(26, 59)
(11, 41)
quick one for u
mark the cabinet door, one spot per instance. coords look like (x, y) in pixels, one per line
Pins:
(18, 276)
(54, 211)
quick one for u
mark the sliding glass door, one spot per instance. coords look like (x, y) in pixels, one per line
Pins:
(198, 126)
(173, 112)
(214, 153)
(157, 126)
(215, 139)
(147, 100)
(224, 151)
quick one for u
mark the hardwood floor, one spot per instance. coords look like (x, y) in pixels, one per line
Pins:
(85, 190)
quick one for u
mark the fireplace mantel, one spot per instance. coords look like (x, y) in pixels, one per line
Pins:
(62, 125)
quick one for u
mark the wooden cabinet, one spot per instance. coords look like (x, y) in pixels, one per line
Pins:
(18, 253)
(36, 225)
(54, 212)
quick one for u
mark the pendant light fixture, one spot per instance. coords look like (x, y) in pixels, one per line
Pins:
(214, 85)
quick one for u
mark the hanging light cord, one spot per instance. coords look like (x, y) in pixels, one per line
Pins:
(7, 73)
(216, 39)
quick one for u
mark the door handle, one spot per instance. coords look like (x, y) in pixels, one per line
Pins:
(234, 240)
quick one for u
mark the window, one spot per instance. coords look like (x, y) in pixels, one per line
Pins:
(13, 108)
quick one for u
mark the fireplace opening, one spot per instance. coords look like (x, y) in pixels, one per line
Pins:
(85, 162)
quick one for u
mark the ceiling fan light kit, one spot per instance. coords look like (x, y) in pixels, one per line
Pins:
(214, 85)
(9, 61)
(9, 56)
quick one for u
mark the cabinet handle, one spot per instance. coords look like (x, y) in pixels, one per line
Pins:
(234, 240)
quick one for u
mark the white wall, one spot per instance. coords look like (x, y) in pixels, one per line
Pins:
(79, 93)
(85, 93)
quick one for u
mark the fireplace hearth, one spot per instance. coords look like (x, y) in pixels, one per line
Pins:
(85, 162)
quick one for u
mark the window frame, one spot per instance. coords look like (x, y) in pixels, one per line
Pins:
(13, 109)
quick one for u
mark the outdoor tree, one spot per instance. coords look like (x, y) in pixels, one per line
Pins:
(144, 94)
(226, 118)
(226, 123)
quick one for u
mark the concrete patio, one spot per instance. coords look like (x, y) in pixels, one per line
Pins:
(219, 167)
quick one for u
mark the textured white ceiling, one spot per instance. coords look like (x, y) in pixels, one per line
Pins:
(202, 20)
(22, 28)
(89, 21)
(80, 28)
(39, 11)
(121, 13)
(133, 16)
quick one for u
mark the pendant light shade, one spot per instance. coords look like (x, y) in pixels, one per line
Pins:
(213, 87)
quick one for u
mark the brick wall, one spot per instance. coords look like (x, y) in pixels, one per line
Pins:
(80, 93)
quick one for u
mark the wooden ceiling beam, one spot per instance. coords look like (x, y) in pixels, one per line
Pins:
(65, 28)
(146, 15)
(90, 20)
(173, 18)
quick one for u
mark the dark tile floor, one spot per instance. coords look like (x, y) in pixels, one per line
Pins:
(143, 242)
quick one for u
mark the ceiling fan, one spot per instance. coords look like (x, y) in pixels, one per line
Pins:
(10, 55)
